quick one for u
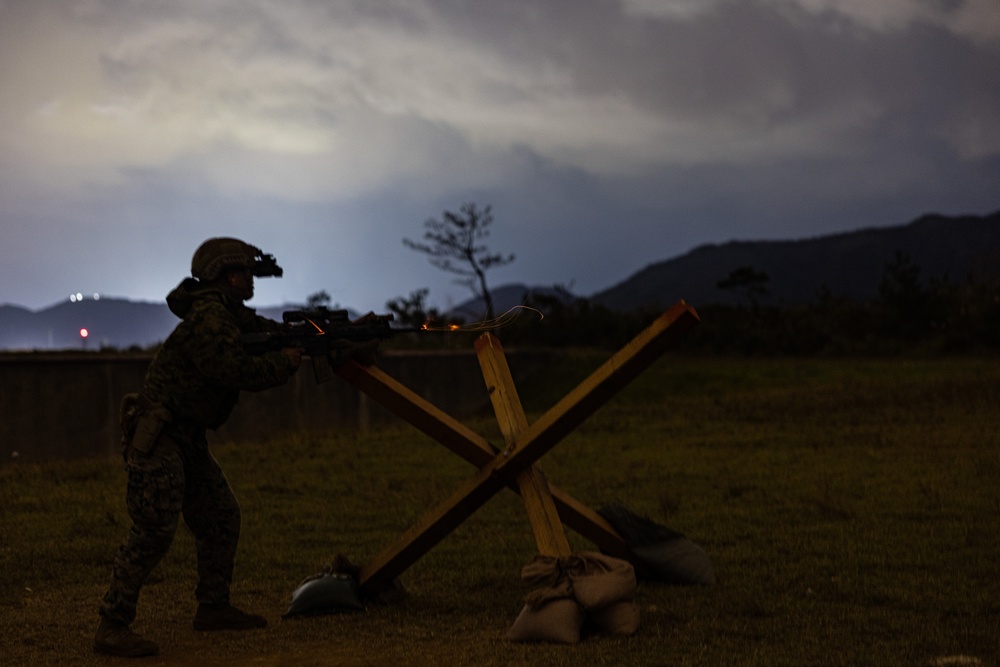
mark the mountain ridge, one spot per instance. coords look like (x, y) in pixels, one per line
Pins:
(847, 264)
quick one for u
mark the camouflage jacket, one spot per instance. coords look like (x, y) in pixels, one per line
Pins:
(198, 372)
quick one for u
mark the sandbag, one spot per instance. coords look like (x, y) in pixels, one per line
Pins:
(571, 589)
(558, 621)
(328, 593)
(389, 592)
(678, 561)
(620, 618)
(599, 580)
(665, 554)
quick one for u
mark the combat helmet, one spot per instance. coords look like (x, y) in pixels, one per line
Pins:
(218, 254)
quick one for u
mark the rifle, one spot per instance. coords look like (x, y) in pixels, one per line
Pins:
(326, 336)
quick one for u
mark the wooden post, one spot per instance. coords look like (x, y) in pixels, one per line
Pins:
(531, 483)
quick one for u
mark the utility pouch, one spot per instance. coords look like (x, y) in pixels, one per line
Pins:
(142, 423)
(148, 427)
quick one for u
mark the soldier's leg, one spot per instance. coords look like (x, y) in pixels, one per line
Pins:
(154, 497)
(213, 515)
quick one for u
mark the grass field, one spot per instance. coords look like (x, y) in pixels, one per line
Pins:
(851, 510)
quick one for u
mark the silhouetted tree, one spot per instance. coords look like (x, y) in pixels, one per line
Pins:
(745, 279)
(319, 299)
(906, 305)
(455, 244)
(412, 311)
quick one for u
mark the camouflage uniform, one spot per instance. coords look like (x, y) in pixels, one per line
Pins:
(195, 380)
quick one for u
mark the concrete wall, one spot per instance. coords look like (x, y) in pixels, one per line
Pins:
(64, 406)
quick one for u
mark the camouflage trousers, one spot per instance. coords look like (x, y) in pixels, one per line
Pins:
(164, 485)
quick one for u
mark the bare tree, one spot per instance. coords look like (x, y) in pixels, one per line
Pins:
(455, 244)
(320, 299)
(413, 311)
(748, 280)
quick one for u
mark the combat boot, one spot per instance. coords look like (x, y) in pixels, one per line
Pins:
(211, 617)
(114, 638)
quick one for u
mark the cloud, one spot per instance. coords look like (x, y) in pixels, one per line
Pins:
(977, 19)
(650, 124)
(356, 95)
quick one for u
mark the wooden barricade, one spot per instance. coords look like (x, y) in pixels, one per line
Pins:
(515, 465)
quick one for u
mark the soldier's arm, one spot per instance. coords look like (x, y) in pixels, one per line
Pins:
(220, 356)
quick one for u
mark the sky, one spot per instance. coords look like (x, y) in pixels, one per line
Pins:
(606, 135)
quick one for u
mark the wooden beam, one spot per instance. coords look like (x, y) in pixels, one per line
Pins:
(597, 389)
(532, 485)
(418, 411)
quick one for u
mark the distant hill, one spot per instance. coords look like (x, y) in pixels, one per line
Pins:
(110, 323)
(114, 323)
(850, 264)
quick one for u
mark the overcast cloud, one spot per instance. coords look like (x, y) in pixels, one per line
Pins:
(606, 134)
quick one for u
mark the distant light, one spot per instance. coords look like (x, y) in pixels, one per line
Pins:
(84, 333)
(79, 297)
(97, 297)
(72, 298)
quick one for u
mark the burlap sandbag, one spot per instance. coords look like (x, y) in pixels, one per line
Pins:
(550, 613)
(593, 582)
(558, 620)
(549, 573)
(620, 618)
(599, 580)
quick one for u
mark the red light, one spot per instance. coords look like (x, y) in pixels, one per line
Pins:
(84, 333)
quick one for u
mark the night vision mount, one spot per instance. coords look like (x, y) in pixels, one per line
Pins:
(265, 266)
